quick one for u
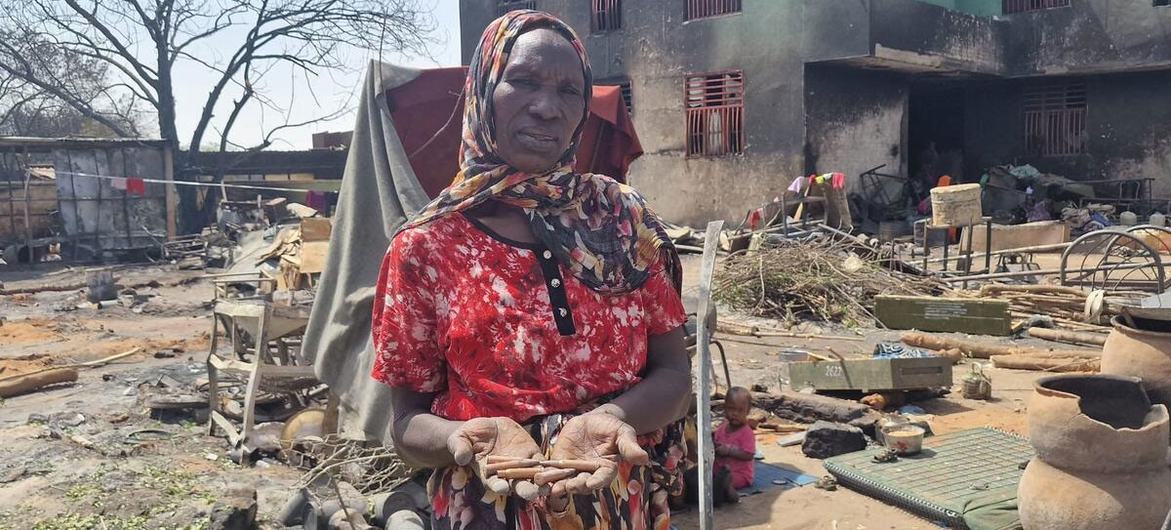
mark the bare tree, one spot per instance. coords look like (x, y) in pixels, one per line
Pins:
(140, 42)
(28, 108)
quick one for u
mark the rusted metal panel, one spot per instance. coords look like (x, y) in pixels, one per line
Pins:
(98, 212)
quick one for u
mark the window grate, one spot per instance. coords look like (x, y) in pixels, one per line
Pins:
(714, 105)
(1021, 6)
(504, 6)
(711, 8)
(606, 15)
(1055, 119)
(627, 96)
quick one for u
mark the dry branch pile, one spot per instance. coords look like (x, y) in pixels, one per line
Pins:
(821, 279)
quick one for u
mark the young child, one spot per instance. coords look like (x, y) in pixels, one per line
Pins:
(735, 443)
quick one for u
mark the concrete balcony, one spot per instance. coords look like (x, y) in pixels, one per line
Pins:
(904, 35)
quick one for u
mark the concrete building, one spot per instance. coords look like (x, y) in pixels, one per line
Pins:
(734, 98)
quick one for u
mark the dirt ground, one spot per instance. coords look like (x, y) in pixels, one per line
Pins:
(169, 479)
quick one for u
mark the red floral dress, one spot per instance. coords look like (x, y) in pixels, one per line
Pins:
(498, 328)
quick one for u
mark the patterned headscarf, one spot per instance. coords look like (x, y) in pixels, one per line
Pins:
(600, 229)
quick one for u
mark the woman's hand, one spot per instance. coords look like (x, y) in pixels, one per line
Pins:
(480, 438)
(483, 437)
(598, 438)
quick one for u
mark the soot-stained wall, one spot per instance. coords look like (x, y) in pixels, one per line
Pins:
(1128, 129)
(850, 130)
(802, 115)
(655, 50)
(1090, 36)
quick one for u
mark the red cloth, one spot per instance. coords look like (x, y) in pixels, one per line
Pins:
(468, 316)
(135, 186)
(608, 142)
(743, 471)
(427, 112)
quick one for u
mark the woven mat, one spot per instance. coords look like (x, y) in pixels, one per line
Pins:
(952, 471)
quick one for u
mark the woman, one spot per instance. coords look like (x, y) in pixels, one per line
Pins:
(532, 311)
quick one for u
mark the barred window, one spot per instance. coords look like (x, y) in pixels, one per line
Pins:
(1021, 6)
(714, 106)
(627, 96)
(606, 15)
(1055, 118)
(711, 8)
(504, 6)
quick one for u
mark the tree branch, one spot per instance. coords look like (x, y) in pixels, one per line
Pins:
(148, 74)
(77, 104)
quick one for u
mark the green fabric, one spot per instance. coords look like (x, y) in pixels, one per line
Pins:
(995, 511)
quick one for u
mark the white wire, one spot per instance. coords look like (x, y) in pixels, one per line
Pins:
(186, 183)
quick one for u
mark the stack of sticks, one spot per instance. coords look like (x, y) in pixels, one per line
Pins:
(531, 478)
(1065, 305)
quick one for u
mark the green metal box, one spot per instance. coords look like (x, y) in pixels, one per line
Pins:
(872, 375)
(959, 315)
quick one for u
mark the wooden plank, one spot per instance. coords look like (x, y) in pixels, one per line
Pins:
(960, 315)
(871, 375)
(706, 457)
(313, 254)
(171, 199)
(315, 229)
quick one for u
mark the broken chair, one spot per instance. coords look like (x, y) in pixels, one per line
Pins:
(261, 357)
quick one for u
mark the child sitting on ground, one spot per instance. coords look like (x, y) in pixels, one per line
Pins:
(735, 448)
(735, 443)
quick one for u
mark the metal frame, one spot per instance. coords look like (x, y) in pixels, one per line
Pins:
(605, 15)
(729, 111)
(697, 9)
(1023, 6)
(1121, 252)
(1055, 117)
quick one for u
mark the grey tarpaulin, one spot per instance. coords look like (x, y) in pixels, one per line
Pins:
(379, 191)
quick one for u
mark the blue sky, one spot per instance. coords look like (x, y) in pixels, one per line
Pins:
(302, 99)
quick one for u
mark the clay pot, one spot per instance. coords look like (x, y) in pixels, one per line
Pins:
(1101, 456)
(1144, 353)
(1073, 419)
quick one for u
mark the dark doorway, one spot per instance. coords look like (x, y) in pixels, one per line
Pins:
(936, 133)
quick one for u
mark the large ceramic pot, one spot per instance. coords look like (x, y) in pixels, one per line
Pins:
(1101, 456)
(1143, 351)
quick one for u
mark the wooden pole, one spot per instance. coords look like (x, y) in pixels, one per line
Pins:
(1042, 364)
(90, 364)
(28, 230)
(1045, 272)
(703, 382)
(983, 350)
(1070, 337)
(1022, 250)
(171, 198)
(23, 384)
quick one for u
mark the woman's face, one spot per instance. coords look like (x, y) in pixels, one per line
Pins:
(539, 101)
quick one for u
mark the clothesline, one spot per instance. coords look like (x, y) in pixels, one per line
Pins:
(187, 183)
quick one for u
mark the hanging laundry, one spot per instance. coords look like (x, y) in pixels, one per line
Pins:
(754, 218)
(135, 186)
(118, 183)
(838, 181)
(797, 184)
(316, 200)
